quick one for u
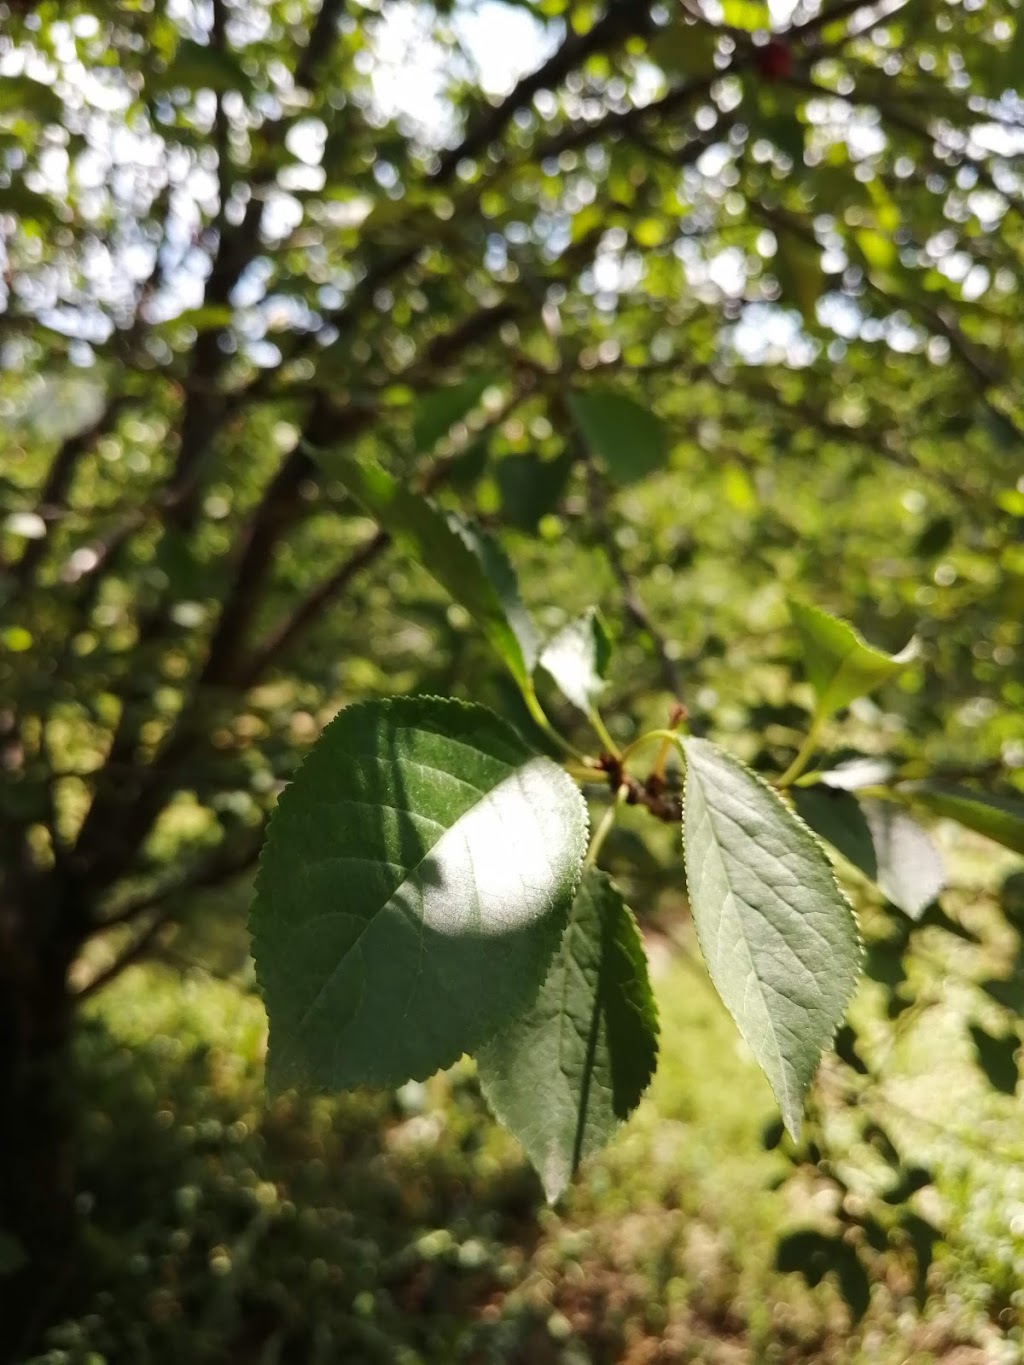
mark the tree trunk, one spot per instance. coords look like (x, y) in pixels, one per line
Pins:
(36, 1112)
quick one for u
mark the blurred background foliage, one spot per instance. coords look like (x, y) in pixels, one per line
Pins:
(775, 250)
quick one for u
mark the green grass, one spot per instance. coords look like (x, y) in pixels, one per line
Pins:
(407, 1228)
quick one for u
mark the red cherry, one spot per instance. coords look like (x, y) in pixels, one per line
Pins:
(774, 61)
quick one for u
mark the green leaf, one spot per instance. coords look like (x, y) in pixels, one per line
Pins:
(1012, 61)
(197, 66)
(998, 818)
(414, 885)
(837, 818)
(797, 267)
(746, 14)
(856, 773)
(997, 1057)
(531, 487)
(563, 1075)
(683, 49)
(778, 936)
(880, 840)
(578, 658)
(438, 411)
(840, 664)
(465, 561)
(910, 871)
(936, 537)
(627, 437)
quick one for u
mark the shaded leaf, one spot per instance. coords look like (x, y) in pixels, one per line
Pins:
(414, 884)
(910, 871)
(684, 49)
(567, 1071)
(628, 438)
(998, 818)
(464, 560)
(200, 67)
(797, 267)
(578, 658)
(840, 664)
(531, 487)
(438, 411)
(777, 934)
(837, 817)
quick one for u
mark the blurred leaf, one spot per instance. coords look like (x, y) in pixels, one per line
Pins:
(627, 437)
(414, 884)
(747, 14)
(998, 818)
(797, 267)
(683, 49)
(564, 1074)
(838, 819)
(910, 871)
(840, 664)
(997, 1057)
(438, 411)
(197, 66)
(777, 934)
(21, 95)
(1012, 61)
(465, 561)
(578, 658)
(856, 773)
(531, 487)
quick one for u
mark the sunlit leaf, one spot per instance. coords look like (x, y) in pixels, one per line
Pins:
(910, 871)
(415, 882)
(840, 664)
(778, 936)
(578, 658)
(747, 14)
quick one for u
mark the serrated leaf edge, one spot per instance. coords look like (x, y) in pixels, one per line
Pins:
(822, 849)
